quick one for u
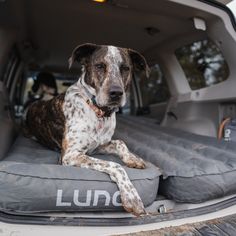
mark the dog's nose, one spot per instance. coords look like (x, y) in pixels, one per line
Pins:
(115, 93)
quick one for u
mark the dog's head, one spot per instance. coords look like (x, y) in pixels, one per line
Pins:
(108, 71)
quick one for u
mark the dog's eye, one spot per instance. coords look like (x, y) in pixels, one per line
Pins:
(124, 68)
(100, 66)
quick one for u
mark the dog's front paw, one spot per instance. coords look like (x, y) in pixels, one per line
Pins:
(133, 161)
(132, 203)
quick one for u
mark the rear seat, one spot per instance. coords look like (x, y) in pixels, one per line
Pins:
(194, 168)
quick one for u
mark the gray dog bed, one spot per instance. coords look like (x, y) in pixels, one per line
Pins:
(195, 168)
(31, 181)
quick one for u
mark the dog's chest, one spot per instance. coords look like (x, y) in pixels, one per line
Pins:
(84, 127)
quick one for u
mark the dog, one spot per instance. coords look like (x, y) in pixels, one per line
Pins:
(82, 121)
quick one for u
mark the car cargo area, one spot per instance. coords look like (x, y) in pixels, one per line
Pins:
(193, 169)
(172, 119)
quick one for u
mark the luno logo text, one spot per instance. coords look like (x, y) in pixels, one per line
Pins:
(91, 199)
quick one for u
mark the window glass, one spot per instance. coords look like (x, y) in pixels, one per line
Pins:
(154, 89)
(203, 64)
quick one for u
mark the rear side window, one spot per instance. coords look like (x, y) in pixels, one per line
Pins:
(154, 89)
(203, 64)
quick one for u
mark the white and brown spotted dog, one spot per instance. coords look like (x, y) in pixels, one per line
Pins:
(82, 121)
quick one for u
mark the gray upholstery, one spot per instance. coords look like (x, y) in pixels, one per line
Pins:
(195, 168)
(26, 150)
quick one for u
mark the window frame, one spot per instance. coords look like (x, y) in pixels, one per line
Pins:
(189, 44)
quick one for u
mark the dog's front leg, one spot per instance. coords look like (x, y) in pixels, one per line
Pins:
(119, 148)
(129, 195)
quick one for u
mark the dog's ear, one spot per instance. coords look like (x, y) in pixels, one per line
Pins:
(139, 62)
(82, 52)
